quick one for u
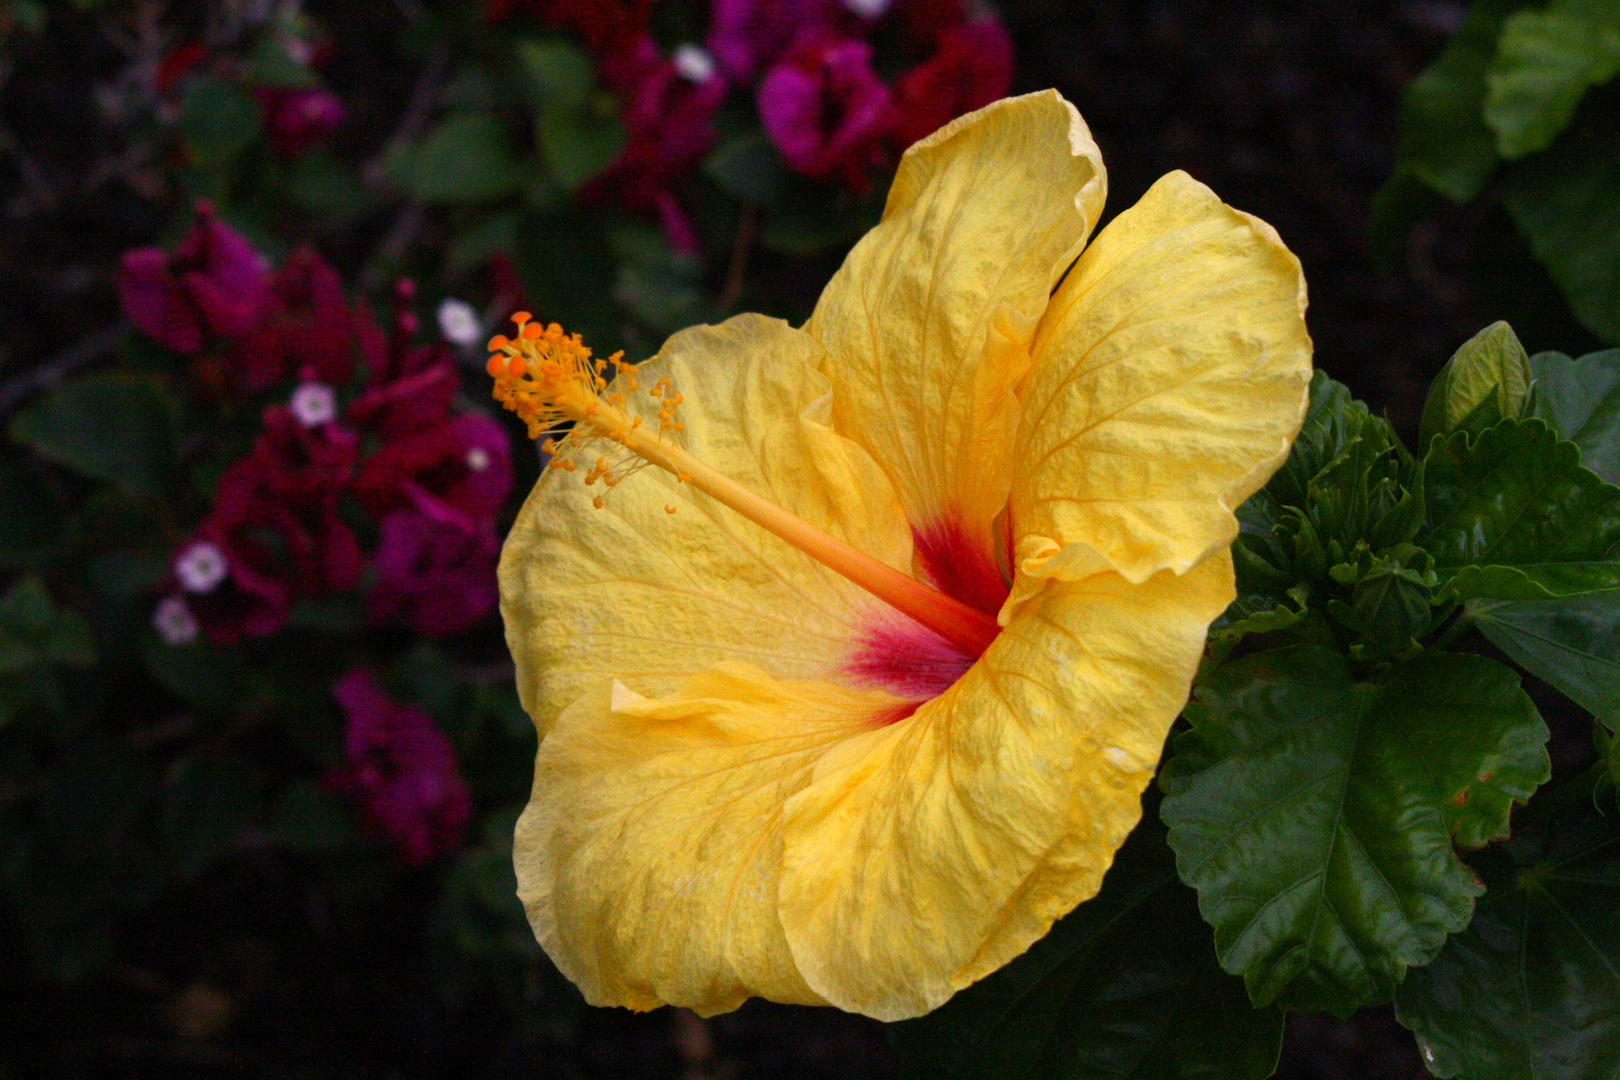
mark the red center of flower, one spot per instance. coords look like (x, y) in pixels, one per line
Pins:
(906, 658)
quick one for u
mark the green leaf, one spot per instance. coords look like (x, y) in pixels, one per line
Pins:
(1581, 398)
(107, 426)
(579, 131)
(1444, 140)
(310, 818)
(1334, 422)
(1531, 990)
(1545, 61)
(208, 677)
(217, 119)
(1572, 644)
(1125, 986)
(465, 158)
(482, 239)
(33, 630)
(558, 75)
(1512, 515)
(1566, 201)
(1315, 814)
(325, 185)
(210, 799)
(32, 516)
(578, 146)
(749, 169)
(1486, 379)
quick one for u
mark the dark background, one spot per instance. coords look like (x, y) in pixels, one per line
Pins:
(1287, 110)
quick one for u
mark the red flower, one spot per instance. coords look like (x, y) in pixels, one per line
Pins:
(400, 771)
(298, 118)
(825, 110)
(213, 283)
(971, 68)
(466, 465)
(307, 330)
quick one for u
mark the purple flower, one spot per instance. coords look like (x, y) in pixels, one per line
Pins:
(400, 772)
(746, 36)
(298, 118)
(825, 110)
(213, 283)
(435, 570)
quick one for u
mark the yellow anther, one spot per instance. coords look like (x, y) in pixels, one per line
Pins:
(668, 509)
(597, 502)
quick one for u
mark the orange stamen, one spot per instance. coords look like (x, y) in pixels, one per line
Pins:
(550, 378)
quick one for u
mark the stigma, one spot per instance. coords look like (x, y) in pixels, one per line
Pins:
(552, 381)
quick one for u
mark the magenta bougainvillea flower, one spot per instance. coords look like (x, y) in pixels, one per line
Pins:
(298, 118)
(746, 36)
(669, 119)
(213, 283)
(400, 772)
(437, 492)
(435, 572)
(465, 464)
(307, 328)
(971, 67)
(825, 110)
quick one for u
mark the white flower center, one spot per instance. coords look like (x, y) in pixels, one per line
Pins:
(173, 621)
(313, 404)
(459, 323)
(868, 9)
(694, 62)
(201, 567)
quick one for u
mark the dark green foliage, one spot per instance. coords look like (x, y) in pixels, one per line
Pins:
(1513, 515)
(1509, 91)
(1581, 400)
(1127, 986)
(111, 426)
(1315, 813)
(1531, 990)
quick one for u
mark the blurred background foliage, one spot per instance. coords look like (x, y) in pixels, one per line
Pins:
(260, 756)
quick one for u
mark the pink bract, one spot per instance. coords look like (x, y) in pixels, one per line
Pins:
(213, 283)
(400, 772)
(825, 110)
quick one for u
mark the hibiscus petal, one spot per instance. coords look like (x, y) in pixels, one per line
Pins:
(928, 323)
(649, 597)
(649, 857)
(926, 854)
(1170, 375)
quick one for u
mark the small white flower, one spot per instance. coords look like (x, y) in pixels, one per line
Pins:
(459, 323)
(173, 621)
(313, 404)
(868, 9)
(477, 458)
(200, 567)
(694, 62)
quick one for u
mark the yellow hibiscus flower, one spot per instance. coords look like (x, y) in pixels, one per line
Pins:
(861, 742)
